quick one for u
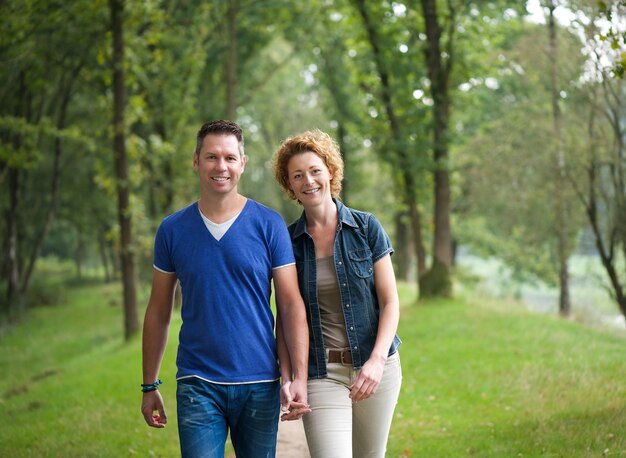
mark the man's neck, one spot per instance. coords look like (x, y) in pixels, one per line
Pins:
(220, 209)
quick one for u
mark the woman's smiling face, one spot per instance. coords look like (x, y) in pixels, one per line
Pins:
(309, 178)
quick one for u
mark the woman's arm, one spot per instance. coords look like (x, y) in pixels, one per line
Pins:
(371, 373)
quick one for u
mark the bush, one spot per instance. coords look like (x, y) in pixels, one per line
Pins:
(45, 291)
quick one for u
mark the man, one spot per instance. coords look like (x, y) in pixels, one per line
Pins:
(225, 249)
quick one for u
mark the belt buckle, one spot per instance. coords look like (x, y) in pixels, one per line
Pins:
(342, 361)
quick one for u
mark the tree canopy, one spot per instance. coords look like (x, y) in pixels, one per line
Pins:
(444, 112)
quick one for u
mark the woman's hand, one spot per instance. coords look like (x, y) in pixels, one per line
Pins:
(369, 378)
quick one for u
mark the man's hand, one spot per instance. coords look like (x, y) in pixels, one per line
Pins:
(293, 400)
(153, 410)
(285, 396)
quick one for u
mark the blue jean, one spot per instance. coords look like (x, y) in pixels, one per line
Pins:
(207, 410)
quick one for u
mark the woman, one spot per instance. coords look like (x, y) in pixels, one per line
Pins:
(347, 282)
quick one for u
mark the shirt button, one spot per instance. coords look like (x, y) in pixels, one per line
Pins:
(339, 262)
(343, 284)
(351, 328)
(355, 347)
(347, 305)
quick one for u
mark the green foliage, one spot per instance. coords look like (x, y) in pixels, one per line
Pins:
(616, 35)
(300, 65)
(506, 194)
(326, 38)
(45, 292)
(47, 50)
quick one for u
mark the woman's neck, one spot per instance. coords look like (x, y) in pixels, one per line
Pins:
(321, 222)
(322, 216)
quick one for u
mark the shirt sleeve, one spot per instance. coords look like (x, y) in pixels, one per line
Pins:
(162, 257)
(281, 248)
(379, 241)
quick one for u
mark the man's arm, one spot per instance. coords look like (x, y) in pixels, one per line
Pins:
(155, 332)
(284, 364)
(294, 330)
(283, 352)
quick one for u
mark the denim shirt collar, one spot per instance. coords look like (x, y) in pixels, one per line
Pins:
(345, 217)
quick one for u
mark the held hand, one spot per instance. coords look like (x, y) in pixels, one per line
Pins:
(297, 406)
(295, 412)
(285, 397)
(153, 410)
(368, 380)
(298, 390)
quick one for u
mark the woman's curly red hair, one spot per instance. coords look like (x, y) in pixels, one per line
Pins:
(311, 141)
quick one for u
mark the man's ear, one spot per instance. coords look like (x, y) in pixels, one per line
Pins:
(195, 161)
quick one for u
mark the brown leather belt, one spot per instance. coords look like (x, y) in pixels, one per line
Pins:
(340, 356)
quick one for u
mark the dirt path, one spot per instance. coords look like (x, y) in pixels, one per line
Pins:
(291, 440)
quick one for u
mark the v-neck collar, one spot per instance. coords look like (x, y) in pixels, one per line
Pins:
(237, 218)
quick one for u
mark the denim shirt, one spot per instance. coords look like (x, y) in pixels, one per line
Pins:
(360, 242)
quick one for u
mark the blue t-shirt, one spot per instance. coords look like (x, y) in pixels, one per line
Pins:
(227, 335)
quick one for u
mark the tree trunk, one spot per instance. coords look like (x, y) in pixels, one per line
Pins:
(129, 275)
(439, 275)
(55, 181)
(619, 170)
(79, 254)
(231, 69)
(341, 102)
(560, 206)
(114, 256)
(13, 306)
(102, 249)
(606, 250)
(14, 300)
(607, 255)
(401, 158)
(341, 141)
(168, 173)
(416, 227)
(401, 256)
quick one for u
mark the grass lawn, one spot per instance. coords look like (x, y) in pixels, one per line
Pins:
(481, 378)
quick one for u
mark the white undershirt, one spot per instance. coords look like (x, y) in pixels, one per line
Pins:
(218, 230)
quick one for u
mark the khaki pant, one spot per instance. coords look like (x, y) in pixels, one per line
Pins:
(337, 428)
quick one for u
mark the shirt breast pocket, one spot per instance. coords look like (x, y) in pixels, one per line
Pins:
(361, 263)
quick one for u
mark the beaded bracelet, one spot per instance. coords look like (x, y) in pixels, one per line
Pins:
(151, 386)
